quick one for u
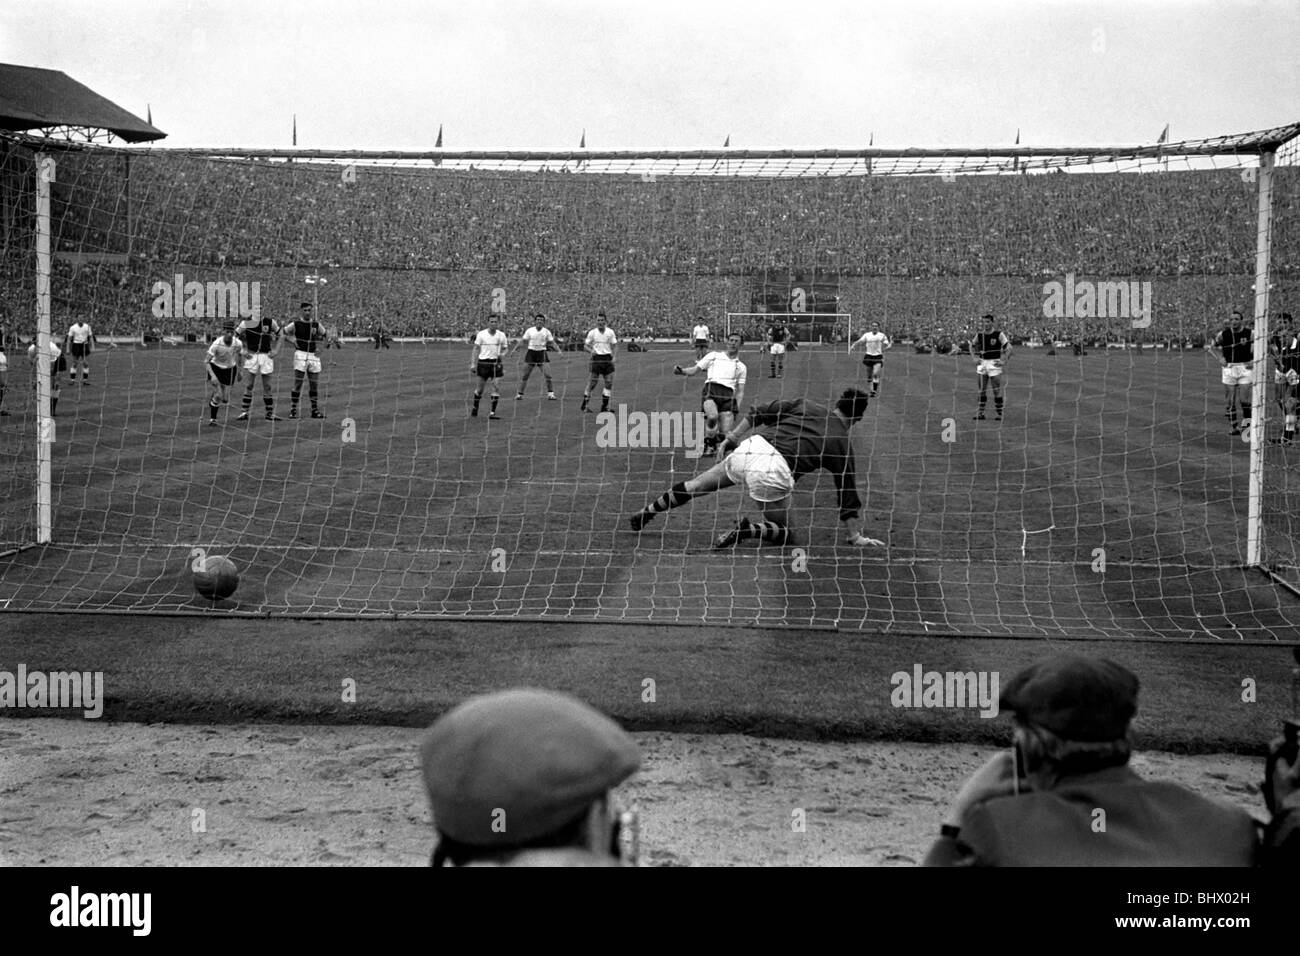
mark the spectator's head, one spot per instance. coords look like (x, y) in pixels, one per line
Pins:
(526, 772)
(1072, 716)
(853, 404)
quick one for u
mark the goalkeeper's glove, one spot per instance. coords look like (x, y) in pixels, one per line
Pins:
(678, 370)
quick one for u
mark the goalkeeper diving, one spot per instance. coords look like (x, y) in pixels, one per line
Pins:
(770, 449)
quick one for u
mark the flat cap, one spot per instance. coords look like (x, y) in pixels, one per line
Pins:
(1086, 699)
(506, 768)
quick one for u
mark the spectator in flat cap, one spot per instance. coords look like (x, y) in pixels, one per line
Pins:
(523, 778)
(1075, 801)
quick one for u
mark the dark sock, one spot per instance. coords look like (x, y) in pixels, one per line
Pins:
(1245, 410)
(248, 401)
(997, 403)
(311, 393)
(604, 403)
(212, 407)
(54, 405)
(674, 497)
(477, 398)
(495, 399)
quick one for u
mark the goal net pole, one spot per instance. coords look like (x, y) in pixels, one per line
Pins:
(1259, 366)
(45, 167)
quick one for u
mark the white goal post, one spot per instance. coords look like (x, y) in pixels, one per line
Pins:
(817, 328)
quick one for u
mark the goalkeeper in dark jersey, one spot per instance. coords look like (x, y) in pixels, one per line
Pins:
(771, 448)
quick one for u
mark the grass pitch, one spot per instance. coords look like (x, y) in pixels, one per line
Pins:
(1110, 502)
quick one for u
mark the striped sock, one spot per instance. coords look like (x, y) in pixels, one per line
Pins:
(768, 532)
(674, 497)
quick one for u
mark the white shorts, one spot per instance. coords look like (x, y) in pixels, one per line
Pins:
(1289, 377)
(990, 367)
(761, 469)
(778, 348)
(259, 363)
(1236, 374)
(305, 361)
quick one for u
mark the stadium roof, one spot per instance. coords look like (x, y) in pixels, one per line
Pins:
(32, 99)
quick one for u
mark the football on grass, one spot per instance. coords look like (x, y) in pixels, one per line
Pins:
(215, 577)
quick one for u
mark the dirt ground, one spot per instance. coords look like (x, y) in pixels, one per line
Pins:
(87, 793)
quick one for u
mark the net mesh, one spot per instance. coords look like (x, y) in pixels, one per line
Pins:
(1110, 500)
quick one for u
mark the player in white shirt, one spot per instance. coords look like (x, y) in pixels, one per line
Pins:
(724, 388)
(490, 346)
(224, 357)
(874, 342)
(700, 335)
(58, 365)
(539, 341)
(601, 342)
(80, 338)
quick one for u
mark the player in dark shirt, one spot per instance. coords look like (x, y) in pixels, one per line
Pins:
(307, 335)
(789, 439)
(261, 337)
(1285, 346)
(991, 349)
(1236, 344)
(776, 337)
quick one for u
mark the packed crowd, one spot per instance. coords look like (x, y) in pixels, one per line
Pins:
(418, 246)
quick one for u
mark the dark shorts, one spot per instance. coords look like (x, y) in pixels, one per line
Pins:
(60, 364)
(602, 365)
(722, 396)
(80, 350)
(225, 376)
(701, 343)
(491, 369)
(870, 360)
(536, 357)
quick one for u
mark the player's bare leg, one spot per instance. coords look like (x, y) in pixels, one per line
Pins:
(1230, 401)
(298, 376)
(4, 377)
(997, 394)
(773, 526)
(523, 381)
(607, 393)
(250, 379)
(496, 397)
(268, 397)
(711, 420)
(984, 387)
(715, 479)
(215, 391)
(586, 394)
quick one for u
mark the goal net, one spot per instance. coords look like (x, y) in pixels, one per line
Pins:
(1118, 494)
(805, 328)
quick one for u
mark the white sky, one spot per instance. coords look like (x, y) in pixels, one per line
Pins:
(673, 73)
